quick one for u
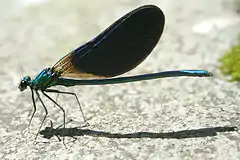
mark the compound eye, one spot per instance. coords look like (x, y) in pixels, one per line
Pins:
(23, 85)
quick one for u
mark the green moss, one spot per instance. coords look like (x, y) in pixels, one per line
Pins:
(231, 63)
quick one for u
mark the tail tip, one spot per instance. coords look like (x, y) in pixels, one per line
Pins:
(209, 74)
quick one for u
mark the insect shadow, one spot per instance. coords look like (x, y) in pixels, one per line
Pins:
(49, 132)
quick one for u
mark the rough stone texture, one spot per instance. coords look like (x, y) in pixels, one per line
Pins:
(174, 118)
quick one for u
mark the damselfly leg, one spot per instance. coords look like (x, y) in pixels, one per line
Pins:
(64, 115)
(46, 113)
(70, 93)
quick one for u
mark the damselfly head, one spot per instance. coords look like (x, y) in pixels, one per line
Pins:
(24, 83)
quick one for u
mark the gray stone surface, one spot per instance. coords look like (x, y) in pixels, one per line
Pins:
(174, 118)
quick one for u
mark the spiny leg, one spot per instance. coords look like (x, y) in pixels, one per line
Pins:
(56, 99)
(46, 113)
(32, 107)
(64, 116)
(34, 111)
(70, 93)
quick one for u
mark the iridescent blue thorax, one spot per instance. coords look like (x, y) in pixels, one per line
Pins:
(44, 80)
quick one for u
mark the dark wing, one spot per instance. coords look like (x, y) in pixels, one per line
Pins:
(118, 49)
